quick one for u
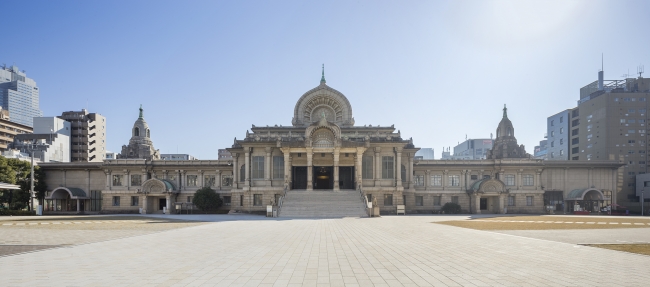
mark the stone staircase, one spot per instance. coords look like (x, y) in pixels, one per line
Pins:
(322, 204)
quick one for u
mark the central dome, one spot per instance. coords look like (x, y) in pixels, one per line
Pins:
(322, 101)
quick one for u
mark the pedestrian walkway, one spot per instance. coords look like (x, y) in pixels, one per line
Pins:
(386, 251)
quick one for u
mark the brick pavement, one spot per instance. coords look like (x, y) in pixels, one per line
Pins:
(386, 251)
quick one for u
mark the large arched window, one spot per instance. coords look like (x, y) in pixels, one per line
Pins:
(148, 133)
(136, 132)
(323, 138)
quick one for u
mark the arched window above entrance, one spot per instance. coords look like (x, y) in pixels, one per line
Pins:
(323, 138)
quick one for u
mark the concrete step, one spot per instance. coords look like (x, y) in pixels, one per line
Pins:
(322, 204)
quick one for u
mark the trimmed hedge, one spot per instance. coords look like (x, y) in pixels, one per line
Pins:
(451, 208)
(7, 212)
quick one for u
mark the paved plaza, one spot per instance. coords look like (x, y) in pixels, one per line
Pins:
(247, 250)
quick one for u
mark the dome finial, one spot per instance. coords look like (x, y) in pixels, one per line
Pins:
(140, 110)
(322, 78)
(505, 111)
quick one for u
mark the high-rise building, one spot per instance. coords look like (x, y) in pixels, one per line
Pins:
(469, 149)
(20, 95)
(425, 153)
(88, 137)
(9, 129)
(610, 122)
(50, 141)
(177, 156)
(558, 131)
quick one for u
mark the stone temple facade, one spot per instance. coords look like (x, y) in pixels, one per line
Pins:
(324, 151)
(140, 144)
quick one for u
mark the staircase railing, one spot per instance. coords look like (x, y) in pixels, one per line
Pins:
(282, 200)
(364, 199)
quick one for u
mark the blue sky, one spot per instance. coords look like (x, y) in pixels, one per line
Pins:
(205, 71)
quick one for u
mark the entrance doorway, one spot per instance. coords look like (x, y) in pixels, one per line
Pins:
(299, 176)
(346, 177)
(484, 203)
(323, 177)
(162, 202)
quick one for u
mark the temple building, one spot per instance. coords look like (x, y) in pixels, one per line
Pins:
(324, 165)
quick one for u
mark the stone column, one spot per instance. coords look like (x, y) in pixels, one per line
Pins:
(310, 169)
(77, 205)
(235, 171)
(108, 179)
(287, 167)
(127, 179)
(409, 172)
(337, 152)
(201, 179)
(168, 203)
(444, 179)
(144, 204)
(398, 160)
(183, 179)
(518, 183)
(427, 179)
(377, 166)
(461, 183)
(476, 205)
(501, 204)
(217, 178)
(247, 168)
(267, 164)
(165, 173)
(358, 165)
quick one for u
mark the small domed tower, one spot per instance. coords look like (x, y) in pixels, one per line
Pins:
(140, 144)
(505, 145)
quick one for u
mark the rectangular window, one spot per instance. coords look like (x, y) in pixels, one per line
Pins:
(278, 167)
(192, 180)
(575, 132)
(474, 177)
(454, 180)
(135, 200)
(528, 180)
(437, 200)
(117, 180)
(419, 180)
(419, 200)
(241, 200)
(366, 167)
(136, 179)
(227, 199)
(454, 199)
(226, 180)
(561, 119)
(510, 179)
(257, 199)
(631, 111)
(388, 199)
(511, 200)
(209, 181)
(529, 200)
(258, 167)
(436, 180)
(388, 167)
(575, 141)
(642, 111)
(116, 201)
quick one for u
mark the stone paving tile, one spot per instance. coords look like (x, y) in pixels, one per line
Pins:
(387, 251)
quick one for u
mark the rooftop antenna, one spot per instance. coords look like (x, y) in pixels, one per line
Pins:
(640, 69)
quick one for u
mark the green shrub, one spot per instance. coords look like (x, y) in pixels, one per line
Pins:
(206, 199)
(451, 208)
(8, 212)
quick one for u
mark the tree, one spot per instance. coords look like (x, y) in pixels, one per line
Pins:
(451, 208)
(206, 199)
(15, 171)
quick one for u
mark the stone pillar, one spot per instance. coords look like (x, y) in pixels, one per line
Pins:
(518, 184)
(201, 179)
(501, 205)
(476, 204)
(217, 178)
(267, 164)
(168, 203)
(377, 166)
(77, 205)
(127, 179)
(461, 183)
(409, 172)
(310, 169)
(444, 179)
(108, 179)
(165, 173)
(398, 160)
(183, 179)
(144, 204)
(337, 152)
(358, 165)
(247, 168)
(287, 167)
(427, 179)
(235, 171)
